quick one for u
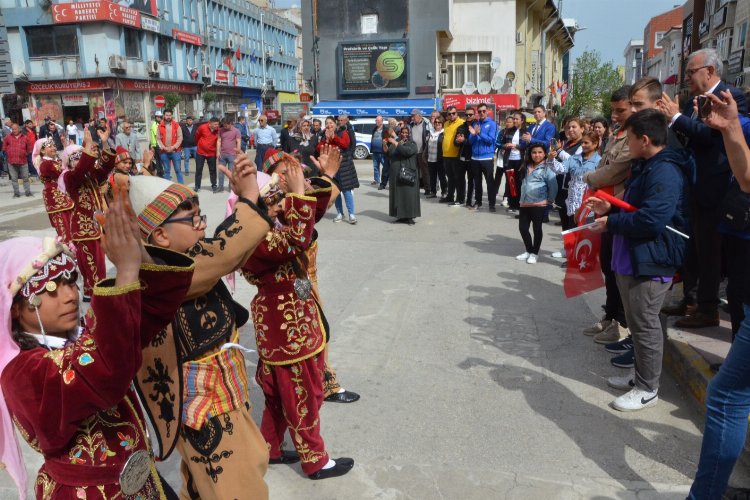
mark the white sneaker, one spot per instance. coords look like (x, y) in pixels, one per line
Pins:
(523, 256)
(622, 383)
(532, 259)
(560, 254)
(597, 327)
(338, 218)
(352, 219)
(505, 203)
(634, 400)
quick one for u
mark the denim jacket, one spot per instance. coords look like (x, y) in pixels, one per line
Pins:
(538, 186)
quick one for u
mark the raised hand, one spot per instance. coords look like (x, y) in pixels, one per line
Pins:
(295, 179)
(103, 136)
(88, 142)
(243, 179)
(723, 111)
(668, 106)
(122, 245)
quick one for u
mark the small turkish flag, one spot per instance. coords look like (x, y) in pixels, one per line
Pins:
(228, 62)
(238, 54)
(584, 271)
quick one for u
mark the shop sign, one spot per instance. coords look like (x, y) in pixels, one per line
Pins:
(69, 85)
(735, 61)
(221, 76)
(305, 97)
(89, 12)
(373, 67)
(157, 86)
(292, 110)
(75, 99)
(272, 114)
(150, 24)
(186, 37)
(501, 101)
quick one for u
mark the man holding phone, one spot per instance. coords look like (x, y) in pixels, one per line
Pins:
(702, 273)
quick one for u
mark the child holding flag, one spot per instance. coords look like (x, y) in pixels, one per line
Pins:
(645, 253)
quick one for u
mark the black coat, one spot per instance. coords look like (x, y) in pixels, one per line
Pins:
(188, 136)
(347, 174)
(464, 148)
(403, 200)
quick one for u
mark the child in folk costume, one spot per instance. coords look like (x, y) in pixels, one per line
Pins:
(68, 390)
(82, 181)
(57, 202)
(289, 328)
(193, 380)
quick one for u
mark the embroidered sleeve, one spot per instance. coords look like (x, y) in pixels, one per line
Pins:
(295, 236)
(325, 193)
(74, 178)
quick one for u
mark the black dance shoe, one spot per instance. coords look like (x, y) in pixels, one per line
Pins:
(343, 397)
(343, 465)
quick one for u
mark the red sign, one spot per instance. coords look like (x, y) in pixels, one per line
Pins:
(157, 86)
(84, 84)
(186, 37)
(159, 101)
(501, 101)
(272, 114)
(89, 12)
(305, 97)
(221, 76)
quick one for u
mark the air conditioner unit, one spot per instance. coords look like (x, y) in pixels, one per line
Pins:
(270, 83)
(206, 73)
(281, 51)
(153, 67)
(230, 43)
(269, 52)
(117, 63)
(444, 65)
(519, 38)
(444, 80)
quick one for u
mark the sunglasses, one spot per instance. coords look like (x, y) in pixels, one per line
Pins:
(451, 113)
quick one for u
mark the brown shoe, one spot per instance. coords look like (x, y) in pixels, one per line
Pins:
(679, 309)
(698, 320)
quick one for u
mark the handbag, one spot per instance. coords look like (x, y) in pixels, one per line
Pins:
(407, 176)
(734, 210)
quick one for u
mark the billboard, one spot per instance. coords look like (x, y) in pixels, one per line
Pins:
(373, 67)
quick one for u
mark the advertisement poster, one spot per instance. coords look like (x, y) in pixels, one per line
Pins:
(373, 67)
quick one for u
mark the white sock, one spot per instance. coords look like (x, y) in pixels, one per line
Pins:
(341, 390)
(331, 463)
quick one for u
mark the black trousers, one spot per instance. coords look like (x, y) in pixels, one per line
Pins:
(385, 171)
(437, 172)
(613, 308)
(424, 174)
(211, 160)
(484, 168)
(702, 273)
(464, 182)
(531, 216)
(737, 257)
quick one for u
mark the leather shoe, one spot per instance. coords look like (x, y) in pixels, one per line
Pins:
(287, 457)
(698, 320)
(343, 465)
(679, 309)
(343, 397)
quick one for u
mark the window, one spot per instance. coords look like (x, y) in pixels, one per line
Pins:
(722, 44)
(163, 49)
(657, 38)
(52, 41)
(741, 36)
(132, 44)
(468, 67)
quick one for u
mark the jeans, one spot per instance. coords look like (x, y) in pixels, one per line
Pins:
(260, 154)
(437, 172)
(227, 161)
(21, 171)
(174, 157)
(484, 168)
(349, 198)
(531, 216)
(642, 299)
(199, 170)
(378, 159)
(186, 154)
(727, 409)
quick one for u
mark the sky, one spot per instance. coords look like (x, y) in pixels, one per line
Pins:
(609, 24)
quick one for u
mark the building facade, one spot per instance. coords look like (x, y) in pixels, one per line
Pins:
(101, 59)
(633, 61)
(422, 50)
(653, 33)
(670, 56)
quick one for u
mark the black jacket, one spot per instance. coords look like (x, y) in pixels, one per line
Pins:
(188, 136)
(347, 174)
(464, 149)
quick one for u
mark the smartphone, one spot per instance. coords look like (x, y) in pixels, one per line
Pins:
(554, 144)
(704, 106)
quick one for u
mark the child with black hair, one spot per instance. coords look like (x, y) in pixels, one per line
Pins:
(538, 190)
(645, 254)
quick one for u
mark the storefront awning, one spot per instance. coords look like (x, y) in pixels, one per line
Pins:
(374, 107)
(671, 80)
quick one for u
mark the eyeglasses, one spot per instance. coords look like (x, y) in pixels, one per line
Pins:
(691, 72)
(469, 115)
(198, 221)
(482, 110)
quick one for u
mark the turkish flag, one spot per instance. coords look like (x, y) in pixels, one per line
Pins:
(238, 54)
(228, 62)
(584, 271)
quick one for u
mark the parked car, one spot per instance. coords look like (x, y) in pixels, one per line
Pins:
(363, 128)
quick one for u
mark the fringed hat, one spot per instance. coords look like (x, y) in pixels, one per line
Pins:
(70, 153)
(155, 199)
(271, 159)
(122, 155)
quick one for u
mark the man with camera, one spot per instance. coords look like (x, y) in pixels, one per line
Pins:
(702, 273)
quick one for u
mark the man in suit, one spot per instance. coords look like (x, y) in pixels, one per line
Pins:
(543, 130)
(702, 273)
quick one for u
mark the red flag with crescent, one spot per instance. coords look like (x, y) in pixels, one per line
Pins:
(584, 271)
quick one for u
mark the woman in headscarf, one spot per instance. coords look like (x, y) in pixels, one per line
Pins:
(403, 195)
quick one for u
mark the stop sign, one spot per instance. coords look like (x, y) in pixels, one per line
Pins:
(159, 101)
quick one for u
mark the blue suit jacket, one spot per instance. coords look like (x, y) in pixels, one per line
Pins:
(546, 132)
(712, 166)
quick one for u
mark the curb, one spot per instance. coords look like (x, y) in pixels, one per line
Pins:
(688, 367)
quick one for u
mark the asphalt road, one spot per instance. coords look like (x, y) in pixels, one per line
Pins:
(476, 382)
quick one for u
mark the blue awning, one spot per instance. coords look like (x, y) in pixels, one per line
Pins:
(374, 107)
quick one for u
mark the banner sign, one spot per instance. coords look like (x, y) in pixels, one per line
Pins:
(186, 37)
(501, 101)
(221, 76)
(373, 67)
(89, 12)
(75, 100)
(150, 24)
